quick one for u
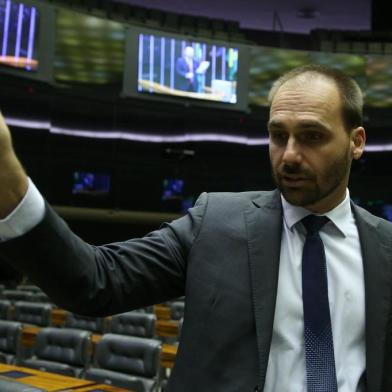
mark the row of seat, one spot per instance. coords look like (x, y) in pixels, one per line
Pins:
(134, 323)
(15, 295)
(138, 324)
(37, 296)
(124, 361)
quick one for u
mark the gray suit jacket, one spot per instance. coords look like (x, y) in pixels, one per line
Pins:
(224, 257)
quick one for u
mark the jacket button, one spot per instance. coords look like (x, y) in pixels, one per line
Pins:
(257, 389)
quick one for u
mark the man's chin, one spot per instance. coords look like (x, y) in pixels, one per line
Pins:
(298, 197)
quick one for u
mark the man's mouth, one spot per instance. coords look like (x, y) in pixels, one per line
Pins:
(293, 181)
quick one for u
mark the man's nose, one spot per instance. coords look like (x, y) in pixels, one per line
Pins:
(292, 152)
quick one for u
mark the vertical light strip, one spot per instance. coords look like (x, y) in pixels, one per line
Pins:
(19, 31)
(163, 44)
(204, 76)
(6, 27)
(213, 65)
(140, 69)
(151, 62)
(223, 63)
(30, 49)
(172, 62)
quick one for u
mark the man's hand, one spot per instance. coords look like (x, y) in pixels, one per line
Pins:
(13, 179)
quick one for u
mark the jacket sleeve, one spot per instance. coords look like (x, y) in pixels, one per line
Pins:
(108, 279)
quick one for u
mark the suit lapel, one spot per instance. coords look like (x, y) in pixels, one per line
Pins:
(375, 254)
(264, 228)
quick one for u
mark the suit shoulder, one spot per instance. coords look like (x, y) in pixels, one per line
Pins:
(373, 219)
(239, 198)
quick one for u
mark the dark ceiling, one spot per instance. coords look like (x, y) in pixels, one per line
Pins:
(259, 15)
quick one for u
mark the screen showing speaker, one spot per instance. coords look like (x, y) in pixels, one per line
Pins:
(27, 39)
(19, 29)
(185, 68)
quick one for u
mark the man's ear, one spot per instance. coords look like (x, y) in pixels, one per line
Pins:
(357, 140)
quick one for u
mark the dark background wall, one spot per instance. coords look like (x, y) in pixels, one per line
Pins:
(139, 168)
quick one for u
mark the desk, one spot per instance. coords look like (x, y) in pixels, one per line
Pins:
(162, 89)
(168, 355)
(162, 312)
(48, 381)
(29, 333)
(58, 317)
(167, 328)
(102, 387)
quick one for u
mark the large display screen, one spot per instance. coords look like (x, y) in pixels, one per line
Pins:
(19, 24)
(164, 66)
(379, 81)
(89, 49)
(268, 64)
(187, 68)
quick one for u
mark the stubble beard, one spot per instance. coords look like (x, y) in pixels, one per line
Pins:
(316, 187)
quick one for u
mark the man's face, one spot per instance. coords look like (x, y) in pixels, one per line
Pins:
(310, 150)
(189, 52)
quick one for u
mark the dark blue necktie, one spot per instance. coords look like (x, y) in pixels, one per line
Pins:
(319, 354)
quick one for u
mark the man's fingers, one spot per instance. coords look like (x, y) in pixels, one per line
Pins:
(5, 136)
(13, 179)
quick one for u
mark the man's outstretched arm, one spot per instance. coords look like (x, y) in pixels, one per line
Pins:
(13, 179)
(95, 280)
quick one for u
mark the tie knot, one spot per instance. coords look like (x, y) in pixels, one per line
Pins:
(314, 223)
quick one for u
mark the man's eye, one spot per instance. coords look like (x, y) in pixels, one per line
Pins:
(313, 136)
(278, 137)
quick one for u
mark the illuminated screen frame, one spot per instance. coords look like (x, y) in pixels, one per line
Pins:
(45, 45)
(131, 71)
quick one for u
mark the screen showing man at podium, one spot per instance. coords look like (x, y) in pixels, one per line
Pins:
(182, 68)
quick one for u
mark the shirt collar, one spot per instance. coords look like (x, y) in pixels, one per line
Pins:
(340, 215)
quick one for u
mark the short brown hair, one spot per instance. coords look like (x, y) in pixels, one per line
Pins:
(349, 90)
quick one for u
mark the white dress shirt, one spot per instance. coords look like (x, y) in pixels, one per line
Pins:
(346, 293)
(286, 366)
(25, 216)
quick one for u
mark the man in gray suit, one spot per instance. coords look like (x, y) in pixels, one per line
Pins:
(237, 257)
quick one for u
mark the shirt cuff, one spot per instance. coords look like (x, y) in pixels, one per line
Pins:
(28, 213)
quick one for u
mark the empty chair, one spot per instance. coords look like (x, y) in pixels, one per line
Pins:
(33, 313)
(10, 335)
(29, 287)
(177, 310)
(5, 306)
(40, 297)
(17, 295)
(61, 350)
(134, 324)
(93, 324)
(126, 361)
(147, 309)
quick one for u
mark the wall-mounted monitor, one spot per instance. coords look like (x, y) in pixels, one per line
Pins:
(89, 49)
(173, 197)
(26, 39)
(91, 184)
(172, 189)
(268, 64)
(159, 65)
